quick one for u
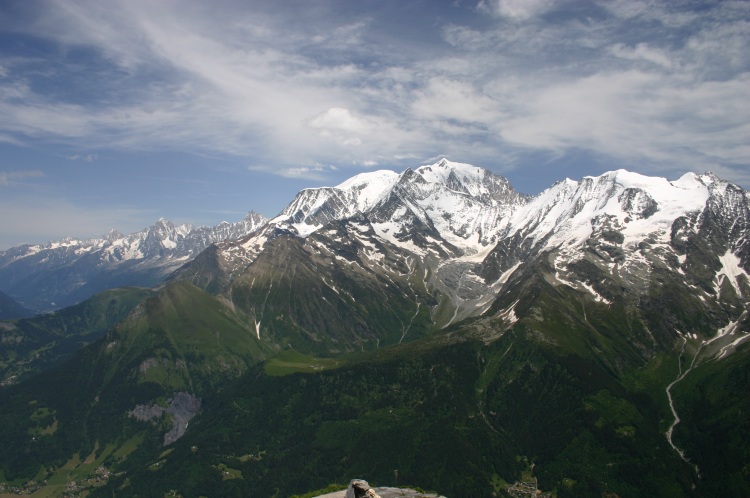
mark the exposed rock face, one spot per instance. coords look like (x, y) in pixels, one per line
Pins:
(182, 407)
(144, 413)
(359, 488)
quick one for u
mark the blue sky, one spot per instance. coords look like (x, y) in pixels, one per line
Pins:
(116, 113)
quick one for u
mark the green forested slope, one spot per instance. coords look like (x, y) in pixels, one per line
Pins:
(32, 345)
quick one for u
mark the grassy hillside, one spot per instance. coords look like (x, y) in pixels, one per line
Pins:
(35, 344)
(181, 340)
(329, 304)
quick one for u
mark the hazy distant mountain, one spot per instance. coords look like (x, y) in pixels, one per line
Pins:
(57, 274)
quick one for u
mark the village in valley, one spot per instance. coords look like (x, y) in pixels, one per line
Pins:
(72, 489)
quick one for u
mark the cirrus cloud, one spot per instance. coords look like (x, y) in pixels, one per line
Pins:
(7, 178)
(663, 85)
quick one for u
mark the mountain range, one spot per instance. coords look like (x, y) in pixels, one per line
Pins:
(468, 335)
(456, 238)
(45, 277)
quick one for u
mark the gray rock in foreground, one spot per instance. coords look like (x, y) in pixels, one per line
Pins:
(358, 485)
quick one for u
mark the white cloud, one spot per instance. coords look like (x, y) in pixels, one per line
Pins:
(339, 119)
(89, 158)
(443, 98)
(638, 116)
(9, 177)
(638, 81)
(307, 172)
(669, 14)
(641, 52)
(313, 173)
(515, 9)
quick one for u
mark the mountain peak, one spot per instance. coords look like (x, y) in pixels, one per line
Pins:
(113, 235)
(254, 217)
(462, 206)
(368, 188)
(163, 222)
(444, 169)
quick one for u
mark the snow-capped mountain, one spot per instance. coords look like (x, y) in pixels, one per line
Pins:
(449, 241)
(463, 203)
(56, 274)
(442, 210)
(629, 221)
(461, 237)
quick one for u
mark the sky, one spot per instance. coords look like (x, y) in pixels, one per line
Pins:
(114, 114)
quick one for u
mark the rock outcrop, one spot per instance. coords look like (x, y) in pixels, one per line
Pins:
(359, 488)
(181, 407)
